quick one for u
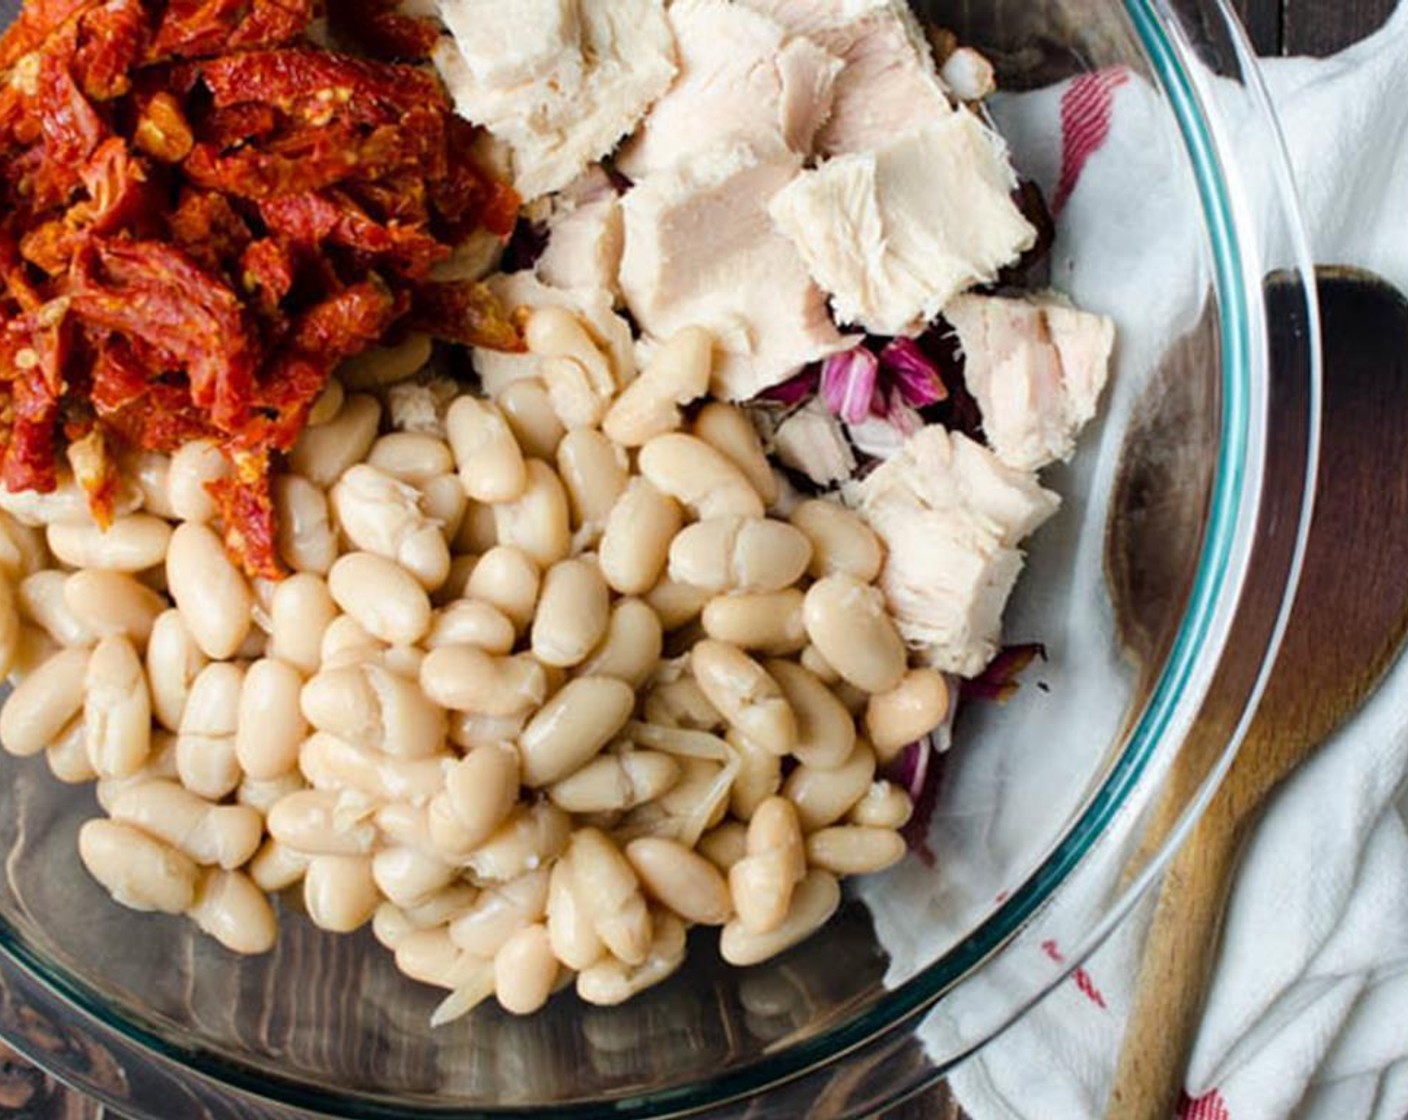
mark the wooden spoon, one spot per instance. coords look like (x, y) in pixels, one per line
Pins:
(1349, 618)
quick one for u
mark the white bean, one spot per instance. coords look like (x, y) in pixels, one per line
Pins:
(531, 417)
(573, 938)
(304, 534)
(556, 333)
(572, 727)
(68, 502)
(381, 366)
(113, 603)
(408, 877)
(383, 516)
(470, 622)
(826, 733)
(216, 835)
(139, 872)
(507, 578)
(339, 892)
(193, 466)
(445, 502)
(616, 782)
(814, 901)
(301, 612)
(42, 602)
(232, 909)
(174, 660)
(884, 805)
(324, 822)
(848, 623)
(322, 453)
(330, 763)
(848, 850)
(489, 459)
(129, 544)
(530, 837)
(681, 879)
(375, 708)
(635, 544)
(767, 622)
(480, 791)
(574, 610)
(609, 982)
(328, 403)
(412, 457)
(908, 712)
(67, 756)
(842, 544)
(759, 776)
(610, 893)
(677, 604)
(117, 713)
(727, 429)
(537, 521)
(823, 797)
(382, 596)
(761, 884)
(739, 554)
(499, 912)
(690, 471)
(631, 648)
(262, 794)
(213, 597)
(42, 705)
(277, 867)
(594, 472)
(477, 533)
(466, 679)
(677, 373)
(271, 726)
(22, 548)
(205, 747)
(745, 694)
(525, 970)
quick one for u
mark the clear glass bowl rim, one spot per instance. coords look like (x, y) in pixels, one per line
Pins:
(1229, 511)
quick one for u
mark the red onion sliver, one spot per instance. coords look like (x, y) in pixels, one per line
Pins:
(848, 383)
(912, 373)
(901, 417)
(792, 391)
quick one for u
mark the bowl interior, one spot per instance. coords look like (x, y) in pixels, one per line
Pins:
(327, 1022)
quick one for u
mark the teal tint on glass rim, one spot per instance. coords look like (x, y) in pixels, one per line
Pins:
(158, 1024)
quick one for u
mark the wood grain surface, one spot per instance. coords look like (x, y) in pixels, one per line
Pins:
(1313, 27)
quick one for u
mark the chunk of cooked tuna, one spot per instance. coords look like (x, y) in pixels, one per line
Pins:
(811, 441)
(1036, 367)
(585, 236)
(742, 79)
(888, 85)
(560, 81)
(523, 289)
(896, 233)
(950, 515)
(702, 251)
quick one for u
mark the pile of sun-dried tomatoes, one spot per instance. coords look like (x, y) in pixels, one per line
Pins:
(201, 213)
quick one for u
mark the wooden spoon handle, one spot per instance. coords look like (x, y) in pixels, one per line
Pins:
(1179, 955)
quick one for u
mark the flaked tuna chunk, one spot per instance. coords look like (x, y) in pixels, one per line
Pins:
(1036, 367)
(894, 234)
(702, 251)
(888, 85)
(811, 441)
(951, 516)
(560, 81)
(523, 289)
(585, 236)
(742, 79)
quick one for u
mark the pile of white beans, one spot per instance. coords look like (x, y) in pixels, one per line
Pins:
(537, 696)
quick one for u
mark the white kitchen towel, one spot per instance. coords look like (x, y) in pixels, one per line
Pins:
(1308, 1011)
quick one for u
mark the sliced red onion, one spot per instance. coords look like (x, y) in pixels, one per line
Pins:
(901, 417)
(910, 768)
(794, 390)
(912, 373)
(848, 383)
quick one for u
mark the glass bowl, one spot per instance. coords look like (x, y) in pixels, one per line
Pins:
(1159, 593)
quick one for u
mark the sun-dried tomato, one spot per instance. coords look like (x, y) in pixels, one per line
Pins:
(378, 29)
(209, 228)
(201, 213)
(162, 129)
(246, 507)
(464, 312)
(158, 293)
(111, 41)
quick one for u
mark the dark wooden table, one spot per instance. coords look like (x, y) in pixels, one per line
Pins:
(1314, 27)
